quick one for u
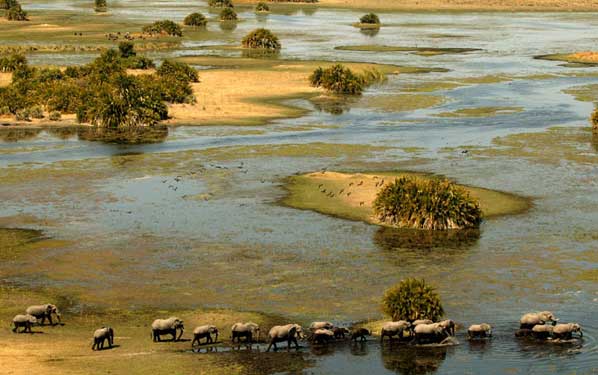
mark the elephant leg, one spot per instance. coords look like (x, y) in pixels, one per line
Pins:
(382, 334)
(14, 330)
(272, 343)
(194, 340)
(296, 343)
(93, 346)
(50, 319)
(180, 335)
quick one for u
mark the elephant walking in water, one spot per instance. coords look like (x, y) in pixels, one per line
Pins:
(392, 329)
(100, 336)
(565, 331)
(25, 321)
(246, 330)
(528, 321)
(433, 333)
(479, 331)
(204, 332)
(167, 327)
(43, 312)
(288, 333)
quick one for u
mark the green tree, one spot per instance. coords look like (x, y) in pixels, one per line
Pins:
(7, 4)
(220, 3)
(338, 79)
(126, 49)
(180, 71)
(166, 27)
(412, 299)
(261, 39)
(370, 18)
(16, 13)
(228, 14)
(101, 5)
(262, 7)
(195, 20)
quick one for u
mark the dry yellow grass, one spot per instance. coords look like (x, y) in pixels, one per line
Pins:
(5, 79)
(461, 5)
(587, 56)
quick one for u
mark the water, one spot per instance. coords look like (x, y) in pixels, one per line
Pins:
(225, 208)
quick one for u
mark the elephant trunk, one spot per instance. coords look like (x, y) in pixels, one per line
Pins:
(57, 316)
(180, 334)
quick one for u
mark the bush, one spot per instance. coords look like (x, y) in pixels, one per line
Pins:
(262, 7)
(178, 70)
(411, 300)
(228, 14)
(262, 39)
(12, 62)
(126, 49)
(101, 6)
(426, 204)
(338, 79)
(195, 20)
(164, 27)
(594, 119)
(36, 112)
(23, 115)
(55, 116)
(220, 3)
(370, 18)
(16, 13)
(7, 4)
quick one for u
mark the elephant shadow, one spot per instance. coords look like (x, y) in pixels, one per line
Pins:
(479, 346)
(114, 346)
(413, 361)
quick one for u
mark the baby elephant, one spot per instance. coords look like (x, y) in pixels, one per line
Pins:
(204, 332)
(100, 336)
(565, 331)
(246, 330)
(25, 321)
(479, 331)
(360, 333)
(339, 333)
(542, 331)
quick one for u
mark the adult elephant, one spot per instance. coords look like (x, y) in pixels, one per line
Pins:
(246, 330)
(433, 333)
(167, 327)
(43, 312)
(288, 333)
(529, 320)
(565, 331)
(206, 332)
(100, 336)
(391, 329)
(24, 321)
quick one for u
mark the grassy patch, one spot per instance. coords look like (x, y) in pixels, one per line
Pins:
(481, 112)
(401, 102)
(585, 93)
(423, 51)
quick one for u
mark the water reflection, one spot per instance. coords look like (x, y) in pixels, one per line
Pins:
(16, 134)
(334, 105)
(391, 239)
(259, 54)
(129, 135)
(228, 25)
(63, 133)
(406, 360)
(369, 32)
(595, 140)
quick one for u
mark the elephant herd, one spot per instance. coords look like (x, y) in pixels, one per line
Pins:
(535, 325)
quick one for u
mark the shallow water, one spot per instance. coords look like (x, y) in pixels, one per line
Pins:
(222, 218)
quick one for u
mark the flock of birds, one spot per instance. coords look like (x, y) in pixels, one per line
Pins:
(539, 325)
(345, 190)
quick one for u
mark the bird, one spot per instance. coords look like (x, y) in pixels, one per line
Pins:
(341, 191)
(360, 183)
(349, 193)
(350, 184)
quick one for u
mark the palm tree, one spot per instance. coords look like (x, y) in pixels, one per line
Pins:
(228, 14)
(412, 299)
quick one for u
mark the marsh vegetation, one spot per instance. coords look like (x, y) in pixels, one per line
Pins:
(339, 79)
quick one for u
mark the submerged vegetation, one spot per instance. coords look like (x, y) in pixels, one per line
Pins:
(228, 14)
(100, 93)
(165, 27)
(412, 299)
(261, 39)
(426, 204)
(342, 80)
(196, 20)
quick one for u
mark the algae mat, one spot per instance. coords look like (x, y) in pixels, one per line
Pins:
(350, 196)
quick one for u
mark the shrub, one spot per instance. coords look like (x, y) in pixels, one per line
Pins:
(126, 49)
(228, 14)
(594, 119)
(7, 4)
(178, 70)
(426, 204)
(370, 18)
(16, 13)
(220, 3)
(101, 6)
(4, 110)
(36, 112)
(11, 62)
(55, 116)
(338, 79)
(195, 20)
(262, 7)
(164, 27)
(262, 39)
(23, 115)
(412, 299)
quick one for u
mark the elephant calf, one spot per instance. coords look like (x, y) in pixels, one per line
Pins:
(43, 312)
(288, 333)
(529, 320)
(565, 331)
(25, 321)
(392, 329)
(340, 333)
(479, 331)
(167, 327)
(246, 330)
(360, 333)
(204, 332)
(100, 336)
(542, 331)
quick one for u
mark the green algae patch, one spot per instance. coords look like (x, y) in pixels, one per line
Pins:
(585, 93)
(401, 102)
(422, 51)
(481, 112)
(350, 196)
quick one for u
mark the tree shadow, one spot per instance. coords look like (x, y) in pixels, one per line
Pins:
(412, 361)
(127, 135)
(16, 134)
(228, 25)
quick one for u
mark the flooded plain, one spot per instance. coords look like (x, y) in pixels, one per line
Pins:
(195, 220)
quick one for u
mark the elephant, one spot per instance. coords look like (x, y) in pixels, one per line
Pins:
(525, 332)
(449, 325)
(322, 336)
(339, 333)
(528, 321)
(288, 333)
(479, 331)
(391, 329)
(430, 333)
(101, 335)
(246, 330)
(204, 332)
(320, 325)
(360, 333)
(44, 312)
(542, 331)
(167, 327)
(565, 331)
(25, 321)
(421, 321)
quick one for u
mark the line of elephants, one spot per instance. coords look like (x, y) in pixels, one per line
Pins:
(538, 325)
